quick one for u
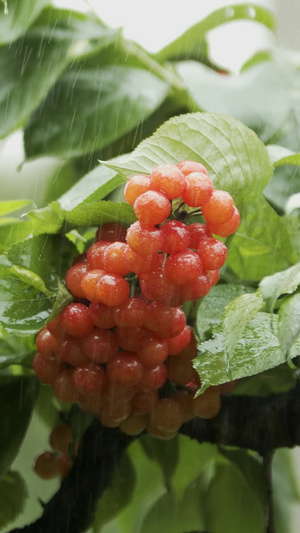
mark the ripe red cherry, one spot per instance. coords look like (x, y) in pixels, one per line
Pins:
(183, 266)
(168, 179)
(144, 240)
(176, 237)
(136, 186)
(192, 166)
(152, 208)
(76, 320)
(219, 209)
(125, 369)
(198, 190)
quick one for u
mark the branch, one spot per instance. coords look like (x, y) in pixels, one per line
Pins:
(72, 508)
(256, 423)
(260, 424)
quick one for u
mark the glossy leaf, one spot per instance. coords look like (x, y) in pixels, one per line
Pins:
(17, 399)
(236, 159)
(29, 279)
(13, 495)
(256, 351)
(14, 350)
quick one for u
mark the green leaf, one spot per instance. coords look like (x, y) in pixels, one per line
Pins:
(277, 153)
(273, 381)
(97, 213)
(256, 351)
(14, 232)
(165, 453)
(238, 506)
(31, 65)
(145, 494)
(90, 107)
(211, 307)
(286, 282)
(29, 281)
(17, 399)
(119, 494)
(76, 204)
(262, 245)
(13, 495)
(234, 156)
(19, 18)
(10, 206)
(289, 323)
(13, 350)
(192, 39)
(259, 97)
(236, 317)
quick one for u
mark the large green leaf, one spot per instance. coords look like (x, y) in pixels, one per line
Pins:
(17, 399)
(260, 97)
(13, 495)
(30, 66)
(29, 281)
(189, 44)
(262, 244)
(258, 349)
(90, 107)
(274, 381)
(234, 156)
(18, 17)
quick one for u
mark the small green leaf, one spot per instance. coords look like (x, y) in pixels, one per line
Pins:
(13, 495)
(48, 219)
(17, 399)
(285, 282)
(63, 298)
(256, 351)
(192, 39)
(29, 281)
(166, 453)
(289, 323)
(98, 213)
(236, 317)
(13, 350)
(211, 307)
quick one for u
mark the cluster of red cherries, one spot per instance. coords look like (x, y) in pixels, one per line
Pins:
(125, 341)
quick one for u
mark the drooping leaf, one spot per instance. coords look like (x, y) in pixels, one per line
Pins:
(90, 107)
(30, 66)
(17, 399)
(29, 281)
(239, 507)
(285, 282)
(131, 517)
(192, 40)
(118, 495)
(257, 350)
(13, 495)
(165, 453)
